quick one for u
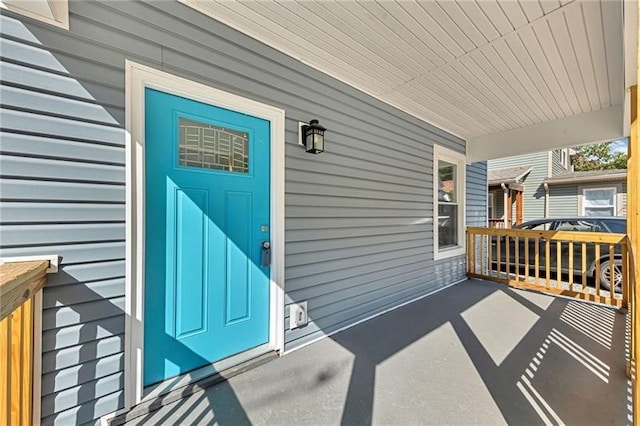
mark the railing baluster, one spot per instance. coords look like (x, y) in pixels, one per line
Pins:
(559, 263)
(498, 255)
(526, 259)
(490, 249)
(547, 261)
(583, 262)
(537, 261)
(481, 254)
(507, 259)
(16, 365)
(571, 265)
(612, 271)
(597, 272)
(516, 256)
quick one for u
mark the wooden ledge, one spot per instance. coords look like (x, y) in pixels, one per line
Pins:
(19, 281)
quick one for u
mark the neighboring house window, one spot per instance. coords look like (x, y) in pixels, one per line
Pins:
(54, 12)
(449, 193)
(599, 202)
(490, 208)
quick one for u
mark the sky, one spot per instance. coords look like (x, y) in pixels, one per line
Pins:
(619, 146)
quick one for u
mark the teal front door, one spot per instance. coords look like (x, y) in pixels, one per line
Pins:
(207, 183)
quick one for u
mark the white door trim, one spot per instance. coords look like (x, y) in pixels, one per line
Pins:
(139, 77)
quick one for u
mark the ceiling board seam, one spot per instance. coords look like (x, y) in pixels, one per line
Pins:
(444, 11)
(523, 115)
(564, 68)
(496, 105)
(582, 71)
(553, 72)
(606, 54)
(492, 118)
(576, 87)
(591, 59)
(528, 77)
(442, 28)
(544, 80)
(349, 48)
(443, 103)
(413, 34)
(513, 90)
(362, 34)
(454, 4)
(402, 37)
(426, 30)
(503, 36)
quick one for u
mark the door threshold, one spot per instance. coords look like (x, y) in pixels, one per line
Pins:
(172, 390)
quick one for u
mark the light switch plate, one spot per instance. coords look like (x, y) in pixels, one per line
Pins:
(298, 315)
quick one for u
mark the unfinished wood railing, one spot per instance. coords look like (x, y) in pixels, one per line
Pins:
(591, 266)
(19, 282)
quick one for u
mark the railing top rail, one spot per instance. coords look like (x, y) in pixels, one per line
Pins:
(579, 236)
(18, 282)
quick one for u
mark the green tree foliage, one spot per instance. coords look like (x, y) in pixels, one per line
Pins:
(598, 157)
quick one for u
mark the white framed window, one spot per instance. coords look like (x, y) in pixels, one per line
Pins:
(490, 205)
(54, 12)
(448, 202)
(599, 201)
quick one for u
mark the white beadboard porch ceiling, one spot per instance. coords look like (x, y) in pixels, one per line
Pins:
(475, 68)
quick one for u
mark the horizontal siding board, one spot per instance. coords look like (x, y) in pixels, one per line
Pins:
(60, 148)
(87, 272)
(86, 333)
(78, 355)
(78, 395)
(340, 244)
(19, 235)
(61, 213)
(78, 374)
(82, 312)
(31, 190)
(67, 295)
(88, 413)
(55, 104)
(26, 167)
(27, 122)
(75, 253)
(329, 234)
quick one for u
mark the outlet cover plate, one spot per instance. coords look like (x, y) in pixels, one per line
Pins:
(298, 315)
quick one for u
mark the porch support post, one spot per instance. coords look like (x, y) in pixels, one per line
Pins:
(519, 208)
(510, 210)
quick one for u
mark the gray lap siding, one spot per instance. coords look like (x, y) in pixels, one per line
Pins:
(357, 242)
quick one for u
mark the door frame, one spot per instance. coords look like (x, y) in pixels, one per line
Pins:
(139, 77)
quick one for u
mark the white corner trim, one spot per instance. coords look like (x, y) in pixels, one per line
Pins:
(137, 78)
(53, 259)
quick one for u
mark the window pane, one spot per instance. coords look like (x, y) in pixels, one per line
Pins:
(599, 197)
(212, 147)
(447, 225)
(598, 211)
(446, 181)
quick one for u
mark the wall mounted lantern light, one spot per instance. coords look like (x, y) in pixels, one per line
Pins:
(312, 137)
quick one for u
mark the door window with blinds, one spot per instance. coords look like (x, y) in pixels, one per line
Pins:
(207, 146)
(449, 175)
(599, 202)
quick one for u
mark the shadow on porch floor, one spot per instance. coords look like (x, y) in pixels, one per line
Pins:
(475, 353)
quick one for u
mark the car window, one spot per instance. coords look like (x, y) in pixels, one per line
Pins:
(581, 225)
(536, 226)
(617, 226)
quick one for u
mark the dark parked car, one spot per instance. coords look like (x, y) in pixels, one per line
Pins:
(611, 224)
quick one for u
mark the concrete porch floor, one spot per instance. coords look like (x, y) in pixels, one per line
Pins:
(475, 353)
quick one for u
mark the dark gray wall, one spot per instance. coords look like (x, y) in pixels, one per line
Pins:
(358, 217)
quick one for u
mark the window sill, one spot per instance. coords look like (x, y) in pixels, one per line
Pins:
(449, 252)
